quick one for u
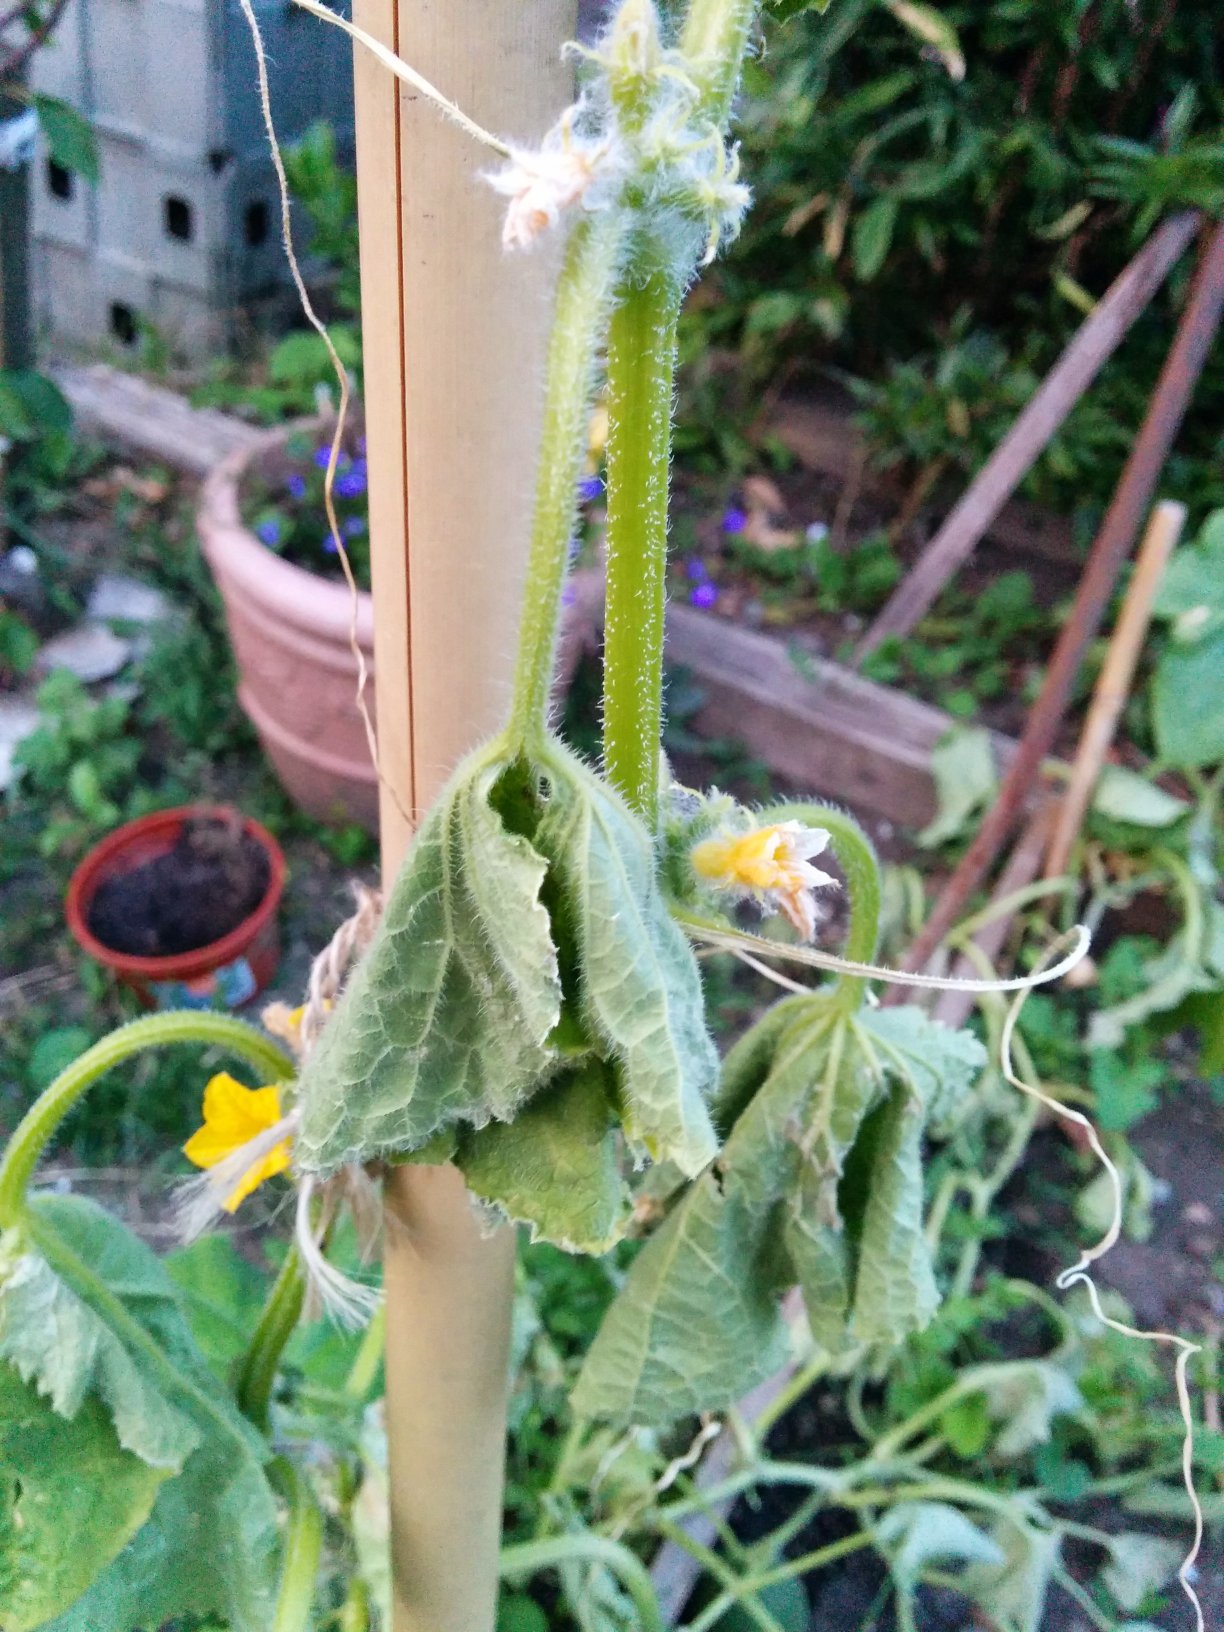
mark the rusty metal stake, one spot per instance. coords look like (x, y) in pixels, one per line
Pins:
(1130, 502)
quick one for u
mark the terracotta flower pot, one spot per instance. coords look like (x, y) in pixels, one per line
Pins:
(230, 970)
(297, 675)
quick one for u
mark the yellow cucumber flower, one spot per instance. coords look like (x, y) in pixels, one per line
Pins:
(234, 1115)
(771, 865)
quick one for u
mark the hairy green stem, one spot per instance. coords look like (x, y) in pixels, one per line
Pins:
(584, 290)
(530, 1557)
(736, 1589)
(303, 1548)
(713, 40)
(35, 1129)
(809, 1563)
(276, 1325)
(641, 378)
(364, 1370)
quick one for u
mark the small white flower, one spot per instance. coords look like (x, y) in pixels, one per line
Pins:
(542, 184)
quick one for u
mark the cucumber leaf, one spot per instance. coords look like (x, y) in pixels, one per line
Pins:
(526, 934)
(819, 1183)
(640, 989)
(69, 1352)
(447, 1017)
(70, 1498)
(90, 1319)
(556, 1167)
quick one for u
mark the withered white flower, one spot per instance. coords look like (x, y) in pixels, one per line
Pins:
(770, 865)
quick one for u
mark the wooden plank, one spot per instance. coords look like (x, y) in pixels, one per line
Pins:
(151, 420)
(826, 729)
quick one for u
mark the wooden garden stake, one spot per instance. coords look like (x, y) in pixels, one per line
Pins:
(1091, 347)
(1114, 682)
(1196, 331)
(454, 335)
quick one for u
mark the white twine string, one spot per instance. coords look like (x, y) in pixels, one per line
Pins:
(409, 75)
(1078, 1275)
(743, 946)
(342, 409)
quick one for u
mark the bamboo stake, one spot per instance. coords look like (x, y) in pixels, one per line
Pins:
(1114, 682)
(454, 338)
(1089, 349)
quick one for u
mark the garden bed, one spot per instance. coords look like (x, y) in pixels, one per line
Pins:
(816, 726)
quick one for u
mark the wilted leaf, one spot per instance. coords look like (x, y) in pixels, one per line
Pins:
(696, 1322)
(556, 1166)
(640, 987)
(1139, 1564)
(915, 1534)
(896, 1292)
(940, 1064)
(70, 1498)
(457, 1017)
(1024, 1397)
(1015, 1591)
(820, 1182)
(1125, 796)
(448, 1015)
(962, 764)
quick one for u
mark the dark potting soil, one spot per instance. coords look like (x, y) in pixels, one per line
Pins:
(215, 876)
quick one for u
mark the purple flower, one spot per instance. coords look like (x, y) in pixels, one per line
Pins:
(696, 569)
(296, 486)
(704, 595)
(330, 547)
(268, 532)
(734, 520)
(353, 526)
(590, 487)
(322, 456)
(351, 485)
(569, 595)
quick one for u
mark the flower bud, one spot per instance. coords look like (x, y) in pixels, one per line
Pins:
(634, 55)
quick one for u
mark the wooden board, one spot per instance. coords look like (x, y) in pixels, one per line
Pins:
(826, 729)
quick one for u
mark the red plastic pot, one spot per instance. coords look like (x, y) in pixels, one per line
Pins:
(228, 972)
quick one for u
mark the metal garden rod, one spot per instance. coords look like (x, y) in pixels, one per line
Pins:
(1132, 496)
(454, 342)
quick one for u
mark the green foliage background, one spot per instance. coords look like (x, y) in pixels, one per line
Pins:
(940, 238)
